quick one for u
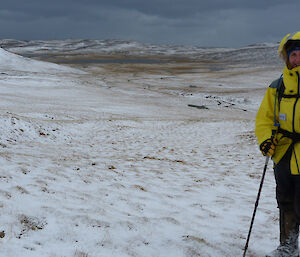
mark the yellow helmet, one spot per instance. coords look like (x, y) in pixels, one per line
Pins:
(282, 47)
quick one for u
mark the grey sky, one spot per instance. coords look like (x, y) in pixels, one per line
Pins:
(229, 23)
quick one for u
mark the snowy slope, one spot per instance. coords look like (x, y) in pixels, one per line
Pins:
(13, 62)
(117, 164)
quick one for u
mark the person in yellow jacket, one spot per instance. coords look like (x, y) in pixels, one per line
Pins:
(277, 129)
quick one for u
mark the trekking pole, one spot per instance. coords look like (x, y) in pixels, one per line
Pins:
(256, 204)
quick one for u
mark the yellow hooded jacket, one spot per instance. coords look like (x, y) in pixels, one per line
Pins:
(286, 112)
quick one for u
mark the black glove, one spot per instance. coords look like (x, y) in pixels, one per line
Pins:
(268, 146)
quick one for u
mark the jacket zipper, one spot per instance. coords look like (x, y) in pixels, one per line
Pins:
(294, 114)
(294, 110)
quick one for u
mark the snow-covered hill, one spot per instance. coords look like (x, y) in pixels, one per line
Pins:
(116, 162)
(13, 62)
(262, 54)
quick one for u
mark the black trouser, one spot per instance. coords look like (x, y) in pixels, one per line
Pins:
(287, 187)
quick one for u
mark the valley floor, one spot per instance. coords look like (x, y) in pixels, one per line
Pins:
(139, 160)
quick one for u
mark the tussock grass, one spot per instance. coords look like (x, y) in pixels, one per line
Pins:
(80, 254)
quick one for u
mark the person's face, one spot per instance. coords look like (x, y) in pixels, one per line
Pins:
(294, 59)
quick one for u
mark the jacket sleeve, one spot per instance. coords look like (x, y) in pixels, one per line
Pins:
(264, 123)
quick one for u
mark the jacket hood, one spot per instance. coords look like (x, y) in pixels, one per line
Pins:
(287, 42)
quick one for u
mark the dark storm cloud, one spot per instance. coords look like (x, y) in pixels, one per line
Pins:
(165, 8)
(196, 22)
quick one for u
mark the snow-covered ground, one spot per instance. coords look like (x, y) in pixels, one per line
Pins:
(110, 160)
